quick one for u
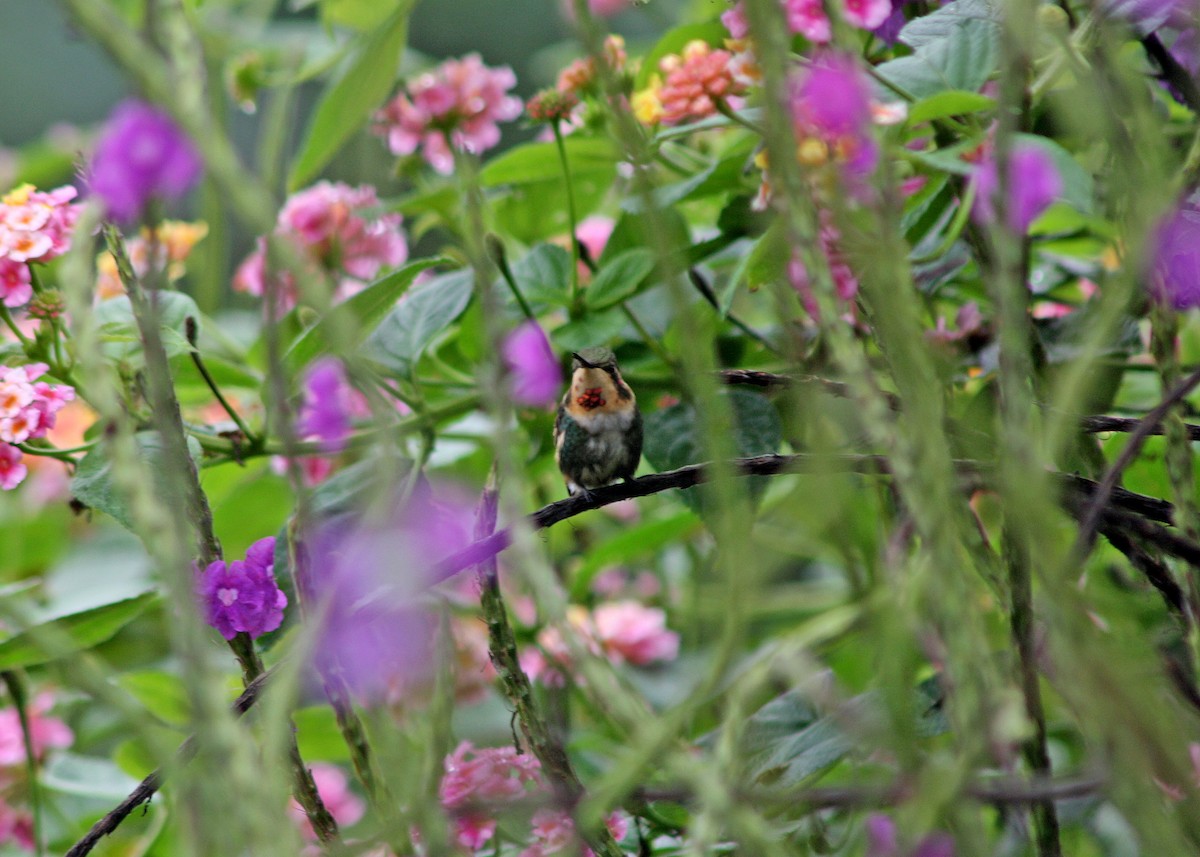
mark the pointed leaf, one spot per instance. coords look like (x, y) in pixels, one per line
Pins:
(620, 279)
(65, 635)
(424, 313)
(348, 101)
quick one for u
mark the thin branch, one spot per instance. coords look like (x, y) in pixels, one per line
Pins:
(1172, 72)
(1099, 501)
(146, 788)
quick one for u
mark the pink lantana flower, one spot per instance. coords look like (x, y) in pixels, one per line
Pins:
(46, 733)
(808, 18)
(28, 409)
(695, 81)
(631, 632)
(477, 780)
(554, 833)
(337, 227)
(457, 104)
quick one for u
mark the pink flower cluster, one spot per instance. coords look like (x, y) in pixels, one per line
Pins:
(478, 782)
(480, 779)
(340, 229)
(27, 411)
(845, 282)
(46, 733)
(808, 18)
(696, 81)
(625, 632)
(35, 226)
(831, 110)
(457, 104)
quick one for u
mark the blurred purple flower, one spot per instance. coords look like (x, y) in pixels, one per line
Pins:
(242, 596)
(536, 375)
(882, 840)
(1033, 183)
(142, 153)
(325, 414)
(1175, 258)
(369, 582)
(889, 30)
(881, 836)
(831, 104)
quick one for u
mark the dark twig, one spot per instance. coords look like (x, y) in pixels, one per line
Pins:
(1096, 424)
(702, 286)
(191, 329)
(1099, 501)
(1172, 72)
(146, 788)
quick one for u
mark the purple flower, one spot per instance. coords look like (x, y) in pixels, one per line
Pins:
(881, 836)
(536, 375)
(369, 583)
(142, 153)
(1175, 258)
(242, 596)
(325, 414)
(831, 111)
(1033, 183)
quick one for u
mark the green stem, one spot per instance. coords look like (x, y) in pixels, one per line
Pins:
(191, 329)
(572, 219)
(651, 341)
(7, 318)
(16, 689)
(732, 115)
(496, 251)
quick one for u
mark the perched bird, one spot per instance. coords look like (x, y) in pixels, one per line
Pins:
(598, 430)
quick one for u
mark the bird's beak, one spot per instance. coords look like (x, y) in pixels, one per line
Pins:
(582, 362)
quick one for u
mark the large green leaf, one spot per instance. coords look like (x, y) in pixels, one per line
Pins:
(358, 14)
(119, 329)
(349, 100)
(87, 776)
(942, 23)
(533, 205)
(543, 275)
(961, 57)
(346, 325)
(64, 635)
(425, 312)
(673, 434)
(94, 486)
(620, 279)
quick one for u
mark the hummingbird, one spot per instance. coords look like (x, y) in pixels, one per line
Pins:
(598, 429)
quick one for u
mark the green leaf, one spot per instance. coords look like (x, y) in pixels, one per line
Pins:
(963, 58)
(942, 23)
(594, 329)
(358, 14)
(620, 278)
(533, 204)
(673, 435)
(119, 329)
(952, 102)
(93, 483)
(163, 694)
(532, 163)
(428, 310)
(348, 101)
(543, 275)
(53, 639)
(346, 325)
(87, 776)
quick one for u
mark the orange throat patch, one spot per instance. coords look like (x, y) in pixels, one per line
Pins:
(592, 398)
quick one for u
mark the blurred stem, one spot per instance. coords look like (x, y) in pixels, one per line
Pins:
(652, 342)
(1164, 329)
(177, 459)
(961, 217)
(7, 318)
(15, 684)
(502, 649)
(572, 219)
(732, 115)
